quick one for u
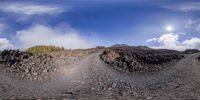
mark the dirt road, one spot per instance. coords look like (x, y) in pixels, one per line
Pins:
(91, 78)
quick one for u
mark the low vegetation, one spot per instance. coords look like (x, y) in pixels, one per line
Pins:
(44, 49)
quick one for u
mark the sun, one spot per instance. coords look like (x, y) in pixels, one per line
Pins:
(169, 28)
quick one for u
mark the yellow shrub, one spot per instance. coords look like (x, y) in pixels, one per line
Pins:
(44, 49)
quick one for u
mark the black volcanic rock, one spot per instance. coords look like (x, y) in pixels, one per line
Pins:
(139, 60)
(26, 64)
(191, 51)
(10, 57)
(127, 46)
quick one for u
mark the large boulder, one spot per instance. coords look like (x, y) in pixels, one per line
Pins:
(110, 56)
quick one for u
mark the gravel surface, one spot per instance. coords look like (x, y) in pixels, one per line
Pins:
(91, 78)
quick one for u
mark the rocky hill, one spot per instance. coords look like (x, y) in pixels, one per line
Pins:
(139, 59)
(191, 51)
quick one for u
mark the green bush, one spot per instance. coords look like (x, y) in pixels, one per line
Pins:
(44, 49)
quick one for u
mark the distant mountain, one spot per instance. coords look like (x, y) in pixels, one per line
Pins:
(143, 47)
(120, 45)
(127, 46)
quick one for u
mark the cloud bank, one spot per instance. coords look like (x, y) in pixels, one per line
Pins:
(5, 44)
(30, 9)
(45, 35)
(171, 41)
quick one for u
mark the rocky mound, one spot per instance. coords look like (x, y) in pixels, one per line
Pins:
(139, 60)
(11, 57)
(27, 65)
(191, 51)
(39, 66)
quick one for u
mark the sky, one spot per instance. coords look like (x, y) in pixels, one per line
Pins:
(168, 24)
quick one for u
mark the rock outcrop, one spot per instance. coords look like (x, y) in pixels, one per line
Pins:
(139, 60)
(191, 51)
(13, 57)
(26, 64)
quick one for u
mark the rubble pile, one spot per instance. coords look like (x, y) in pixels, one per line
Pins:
(13, 57)
(26, 64)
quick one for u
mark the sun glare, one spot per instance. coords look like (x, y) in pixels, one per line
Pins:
(169, 28)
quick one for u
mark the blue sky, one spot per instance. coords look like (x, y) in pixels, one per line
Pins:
(88, 23)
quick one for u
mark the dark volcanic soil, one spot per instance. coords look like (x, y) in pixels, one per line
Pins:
(83, 75)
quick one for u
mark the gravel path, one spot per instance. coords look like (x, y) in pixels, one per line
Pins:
(91, 78)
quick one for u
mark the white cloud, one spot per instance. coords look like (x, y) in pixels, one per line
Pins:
(171, 41)
(192, 43)
(44, 35)
(5, 44)
(193, 23)
(30, 9)
(185, 7)
(152, 40)
(2, 26)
